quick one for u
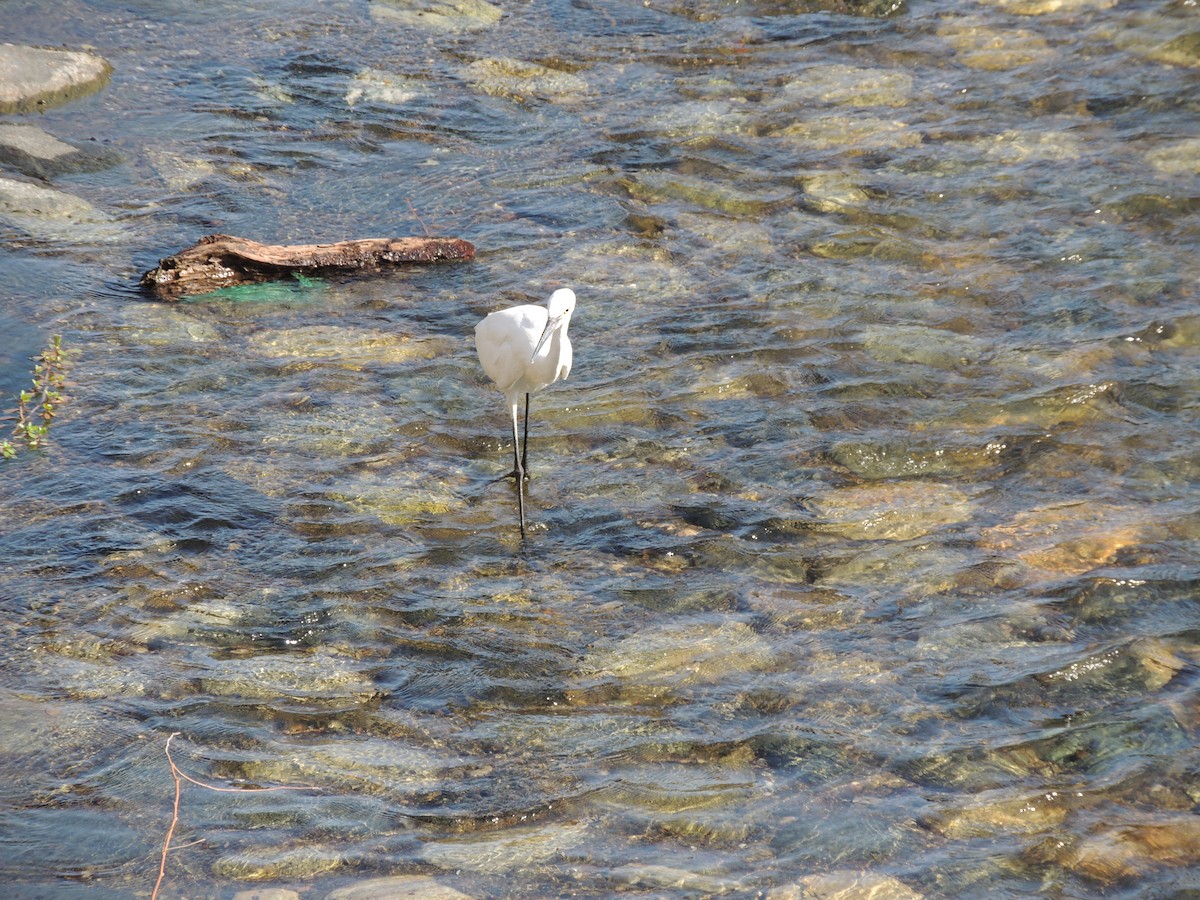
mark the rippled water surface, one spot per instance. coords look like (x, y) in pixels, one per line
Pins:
(864, 534)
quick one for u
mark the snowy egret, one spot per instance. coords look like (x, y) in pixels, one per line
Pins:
(524, 349)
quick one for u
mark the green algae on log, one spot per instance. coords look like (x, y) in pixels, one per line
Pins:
(220, 260)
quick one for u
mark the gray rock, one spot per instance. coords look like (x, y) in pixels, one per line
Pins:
(509, 850)
(50, 215)
(524, 81)
(33, 78)
(398, 887)
(439, 15)
(34, 152)
(845, 885)
(266, 894)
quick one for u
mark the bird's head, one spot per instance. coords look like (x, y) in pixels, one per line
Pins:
(560, 306)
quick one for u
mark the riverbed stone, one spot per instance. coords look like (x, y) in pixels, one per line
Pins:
(1180, 51)
(33, 78)
(1070, 538)
(504, 851)
(438, 15)
(891, 511)
(659, 186)
(687, 791)
(856, 134)
(1125, 851)
(842, 85)
(656, 665)
(1014, 146)
(845, 885)
(983, 45)
(328, 431)
(350, 347)
(1178, 158)
(398, 887)
(275, 893)
(55, 216)
(1158, 663)
(402, 498)
(372, 766)
(657, 878)
(692, 120)
(833, 192)
(34, 152)
(919, 344)
(924, 456)
(524, 81)
(994, 816)
(1046, 7)
(313, 678)
(293, 862)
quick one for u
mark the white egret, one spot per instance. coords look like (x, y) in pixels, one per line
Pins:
(524, 349)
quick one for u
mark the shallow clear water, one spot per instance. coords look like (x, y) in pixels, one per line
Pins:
(864, 533)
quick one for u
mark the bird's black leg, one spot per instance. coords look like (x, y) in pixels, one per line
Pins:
(521, 505)
(525, 444)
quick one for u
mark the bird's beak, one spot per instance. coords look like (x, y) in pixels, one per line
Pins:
(551, 326)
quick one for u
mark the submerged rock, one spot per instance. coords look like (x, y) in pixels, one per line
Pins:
(1016, 146)
(698, 120)
(523, 81)
(1045, 7)
(873, 242)
(892, 511)
(33, 78)
(504, 851)
(41, 155)
(1181, 158)
(926, 456)
(856, 134)
(1071, 538)
(370, 765)
(851, 86)
(654, 187)
(1144, 206)
(1181, 51)
(983, 45)
(349, 346)
(306, 678)
(438, 15)
(659, 663)
(935, 347)
(51, 215)
(296, 862)
(397, 498)
(993, 816)
(833, 192)
(397, 887)
(1121, 852)
(845, 885)
(879, 9)
(654, 877)
(266, 894)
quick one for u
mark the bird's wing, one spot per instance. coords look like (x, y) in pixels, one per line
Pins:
(504, 343)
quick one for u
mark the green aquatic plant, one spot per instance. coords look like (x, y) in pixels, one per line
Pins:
(37, 407)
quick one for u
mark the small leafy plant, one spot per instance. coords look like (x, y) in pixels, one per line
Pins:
(37, 407)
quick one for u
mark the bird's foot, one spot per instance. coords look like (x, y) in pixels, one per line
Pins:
(514, 475)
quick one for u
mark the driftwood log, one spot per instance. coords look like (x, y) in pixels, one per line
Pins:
(220, 260)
